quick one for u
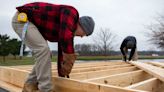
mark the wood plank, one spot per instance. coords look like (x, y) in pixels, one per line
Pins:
(122, 79)
(153, 70)
(151, 85)
(98, 68)
(94, 74)
(159, 64)
(94, 68)
(13, 76)
(89, 64)
(70, 85)
(98, 63)
(10, 87)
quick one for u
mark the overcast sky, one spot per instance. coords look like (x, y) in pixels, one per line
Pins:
(123, 17)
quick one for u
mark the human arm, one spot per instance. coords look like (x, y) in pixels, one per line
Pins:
(68, 24)
(122, 50)
(132, 53)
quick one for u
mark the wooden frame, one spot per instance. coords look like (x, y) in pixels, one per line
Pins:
(152, 85)
(93, 77)
(158, 72)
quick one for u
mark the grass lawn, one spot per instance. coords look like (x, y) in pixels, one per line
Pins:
(10, 61)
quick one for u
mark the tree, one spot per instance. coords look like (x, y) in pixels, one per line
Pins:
(156, 34)
(14, 45)
(78, 48)
(4, 46)
(83, 49)
(104, 40)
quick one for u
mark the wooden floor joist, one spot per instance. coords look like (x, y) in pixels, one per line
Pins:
(10, 87)
(159, 64)
(77, 65)
(151, 85)
(95, 74)
(93, 77)
(153, 70)
(13, 76)
(122, 79)
(97, 68)
(78, 86)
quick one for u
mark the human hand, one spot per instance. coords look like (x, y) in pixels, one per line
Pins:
(67, 64)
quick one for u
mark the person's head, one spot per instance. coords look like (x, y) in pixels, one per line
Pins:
(85, 26)
(130, 44)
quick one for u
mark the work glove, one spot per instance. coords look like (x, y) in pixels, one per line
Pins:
(67, 64)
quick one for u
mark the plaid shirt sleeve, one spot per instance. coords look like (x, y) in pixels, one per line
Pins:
(68, 24)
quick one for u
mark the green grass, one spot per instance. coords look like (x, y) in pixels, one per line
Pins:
(10, 61)
(151, 57)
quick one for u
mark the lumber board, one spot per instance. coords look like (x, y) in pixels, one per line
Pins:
(13, 76)
(94, 68)
(10, 87)
(122, 79)
(159, 64)
(94, 74)
(98, 68)
(152, 70)
(151, 85)
(95, 63)
(88, 64)
(89, 77)
(70, 85)
(92, 64)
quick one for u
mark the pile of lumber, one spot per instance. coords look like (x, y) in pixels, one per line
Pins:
(102, 76)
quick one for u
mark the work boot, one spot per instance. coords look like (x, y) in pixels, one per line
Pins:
(30, 87)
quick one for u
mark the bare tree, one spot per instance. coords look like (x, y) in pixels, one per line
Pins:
(83, 49)
(104, 40)
(156, 34)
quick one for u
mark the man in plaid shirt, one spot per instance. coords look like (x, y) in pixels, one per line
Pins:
(55, 23)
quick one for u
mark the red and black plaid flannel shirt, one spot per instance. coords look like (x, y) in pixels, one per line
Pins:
(56, 23)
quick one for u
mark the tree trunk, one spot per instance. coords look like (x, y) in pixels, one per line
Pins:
(20, 57)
